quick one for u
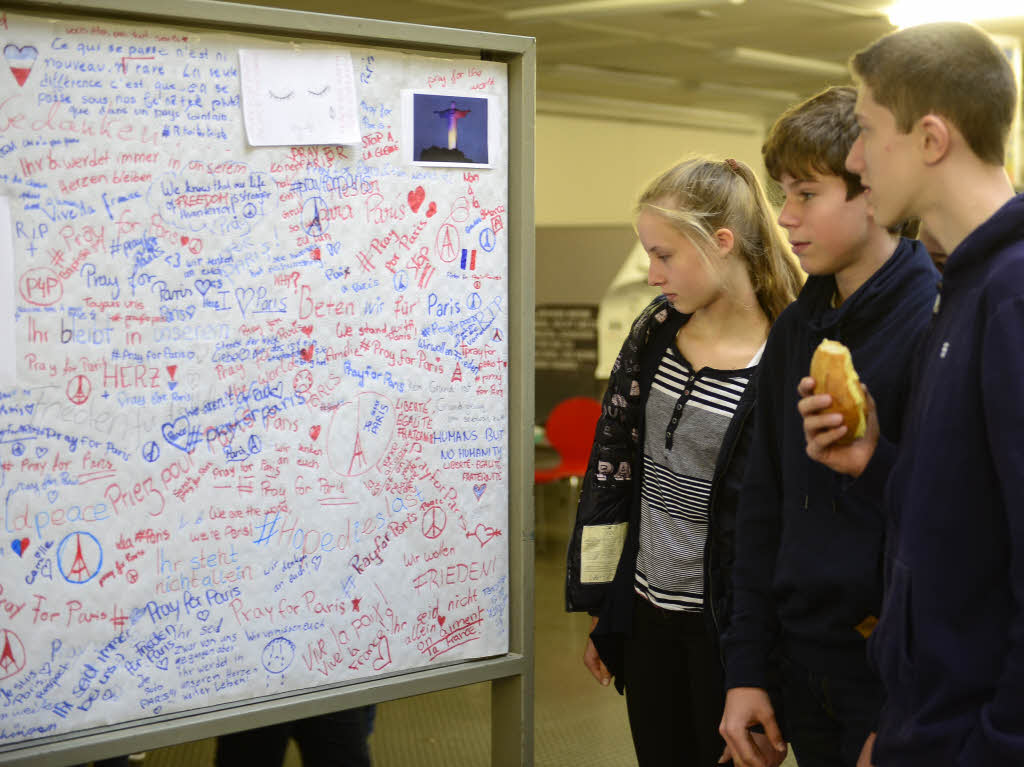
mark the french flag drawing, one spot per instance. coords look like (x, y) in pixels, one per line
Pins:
(20, 60)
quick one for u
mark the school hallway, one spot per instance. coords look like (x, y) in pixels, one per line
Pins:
(576, 721)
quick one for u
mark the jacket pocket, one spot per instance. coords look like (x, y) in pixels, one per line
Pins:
(592, 558)
(890, 643)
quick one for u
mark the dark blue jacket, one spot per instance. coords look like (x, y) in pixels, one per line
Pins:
(950, 646)
(809, 542)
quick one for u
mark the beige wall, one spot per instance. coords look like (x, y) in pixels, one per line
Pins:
(590, 171)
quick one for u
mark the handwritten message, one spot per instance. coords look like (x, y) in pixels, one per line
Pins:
(256, 440)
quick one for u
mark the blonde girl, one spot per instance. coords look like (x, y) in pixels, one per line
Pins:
(652, 549)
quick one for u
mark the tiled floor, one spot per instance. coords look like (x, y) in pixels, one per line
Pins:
(577, 722)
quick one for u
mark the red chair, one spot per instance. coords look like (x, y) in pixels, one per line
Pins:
(570, 431)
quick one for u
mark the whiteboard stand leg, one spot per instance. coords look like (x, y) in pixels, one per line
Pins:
(511, 705)
(538, 510)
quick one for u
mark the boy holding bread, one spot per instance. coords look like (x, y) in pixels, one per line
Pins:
(808, 577)
(935, 106)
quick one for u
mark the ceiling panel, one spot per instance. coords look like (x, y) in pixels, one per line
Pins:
(671, 57)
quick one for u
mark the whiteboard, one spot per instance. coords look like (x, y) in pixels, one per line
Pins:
(255, 435)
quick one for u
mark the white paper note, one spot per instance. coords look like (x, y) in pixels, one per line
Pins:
(600, 551)
(293, 98)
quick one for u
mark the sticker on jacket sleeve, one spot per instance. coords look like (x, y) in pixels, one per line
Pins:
(600, 551)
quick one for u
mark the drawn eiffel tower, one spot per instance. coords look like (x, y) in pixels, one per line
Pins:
(315, 223)
(7, 657)
(79, 572)
(447, 247)
(357, 454)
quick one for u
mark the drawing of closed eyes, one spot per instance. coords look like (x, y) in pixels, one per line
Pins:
(296, 97)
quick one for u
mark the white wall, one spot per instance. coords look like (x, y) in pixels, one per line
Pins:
(590, 171)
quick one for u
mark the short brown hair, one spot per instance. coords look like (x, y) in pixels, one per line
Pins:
(815, 136)
(950, 69)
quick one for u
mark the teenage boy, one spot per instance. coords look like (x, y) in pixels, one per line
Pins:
(935, 106)
(808, 576)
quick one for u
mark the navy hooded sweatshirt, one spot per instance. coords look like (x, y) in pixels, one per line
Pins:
(950, 645)
(809, 541)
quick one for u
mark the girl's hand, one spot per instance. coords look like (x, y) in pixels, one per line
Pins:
(593, 661)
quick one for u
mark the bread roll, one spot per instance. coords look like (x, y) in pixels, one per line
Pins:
(833, 373)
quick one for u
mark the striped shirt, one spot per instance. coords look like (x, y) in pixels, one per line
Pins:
(687, 416)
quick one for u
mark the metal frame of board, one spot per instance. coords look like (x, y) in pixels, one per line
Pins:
(510, 675)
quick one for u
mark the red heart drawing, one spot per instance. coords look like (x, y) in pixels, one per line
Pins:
(314, 432)
(483, 533)
(19, 546)
(440, 620)
(416, 197)
(171, 370)
(316, 254)
(307, 329)
(184, 240)
(431, 209)
(307, 354)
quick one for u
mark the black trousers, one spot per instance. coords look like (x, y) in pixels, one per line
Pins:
(674, 692)
(829, 716)
(331, 740)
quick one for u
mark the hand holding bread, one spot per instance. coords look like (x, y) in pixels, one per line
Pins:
(841, 429)
(833, 373)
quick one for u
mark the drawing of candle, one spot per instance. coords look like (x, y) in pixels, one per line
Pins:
(453, 114)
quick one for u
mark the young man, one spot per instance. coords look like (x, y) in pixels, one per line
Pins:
(807, 577)
(950, 644)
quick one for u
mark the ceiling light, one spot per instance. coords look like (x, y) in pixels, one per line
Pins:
(615, 76)
(603, 107)
(748, 91)
(611, 7)
(908, 13)
(785, 62)
(842, 9)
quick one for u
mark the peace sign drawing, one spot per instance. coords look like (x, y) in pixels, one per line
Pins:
(434, 520)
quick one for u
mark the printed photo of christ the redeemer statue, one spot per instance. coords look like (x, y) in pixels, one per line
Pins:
(452, 114)
(449, 129)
